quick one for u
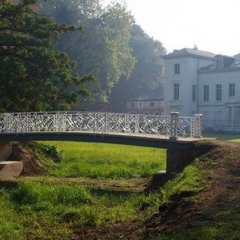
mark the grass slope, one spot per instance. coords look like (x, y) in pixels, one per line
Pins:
(202, 203)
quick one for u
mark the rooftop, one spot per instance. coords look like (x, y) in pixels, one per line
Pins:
(188, 52)
(222, 64)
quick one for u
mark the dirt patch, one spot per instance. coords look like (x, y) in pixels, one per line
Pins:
(118, 231)
(133, 185)
(31, 165)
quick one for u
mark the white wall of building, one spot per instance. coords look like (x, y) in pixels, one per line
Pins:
(218, 114)
(223, 114)
(186, 79)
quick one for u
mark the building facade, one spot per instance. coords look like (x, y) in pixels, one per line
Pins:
(149, 103)
(202, 82)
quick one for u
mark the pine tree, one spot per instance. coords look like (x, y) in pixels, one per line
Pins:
(33, 75)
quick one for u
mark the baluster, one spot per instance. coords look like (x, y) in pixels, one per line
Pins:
(174, 126)
(197, 131)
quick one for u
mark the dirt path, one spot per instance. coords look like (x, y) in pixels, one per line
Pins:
(119, 185)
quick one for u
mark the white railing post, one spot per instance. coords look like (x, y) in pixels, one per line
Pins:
(95, 122)
(105, 127)
(137, 123)
(197, 129)
(174, 125)
(6, 122)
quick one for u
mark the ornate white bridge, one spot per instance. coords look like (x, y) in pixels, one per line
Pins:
(170, 126)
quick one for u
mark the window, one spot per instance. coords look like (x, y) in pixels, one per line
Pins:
(177, 68)
(218, 92)
(193, 93)
(206, 93)
(140, 104)
(151, 104)
(231, 90)
(176, 91)
(132, 104)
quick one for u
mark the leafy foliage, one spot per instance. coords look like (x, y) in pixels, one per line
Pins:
(147, 73)
(34, 76)
(104, 48)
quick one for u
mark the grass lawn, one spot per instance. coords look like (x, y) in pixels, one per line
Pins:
(50, 208)
(34, 210)
(113, 161)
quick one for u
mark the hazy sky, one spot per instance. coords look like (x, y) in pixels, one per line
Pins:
(212, 25)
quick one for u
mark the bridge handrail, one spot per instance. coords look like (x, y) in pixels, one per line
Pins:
(101, 122)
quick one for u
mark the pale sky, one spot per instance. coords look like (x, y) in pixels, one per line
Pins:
(212, 25)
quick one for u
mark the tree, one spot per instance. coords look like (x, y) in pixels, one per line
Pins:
(148, 71)
(103, 49)
(72, 11)
(33, 75)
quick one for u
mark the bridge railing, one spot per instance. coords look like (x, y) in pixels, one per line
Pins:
(97, 122)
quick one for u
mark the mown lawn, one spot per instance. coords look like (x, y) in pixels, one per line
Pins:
(96, 160)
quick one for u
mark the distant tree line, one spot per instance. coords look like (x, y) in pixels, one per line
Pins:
(40, 41)
(124, 59)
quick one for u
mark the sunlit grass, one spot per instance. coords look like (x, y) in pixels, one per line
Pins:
(49, 211)
(96, 160)
(219, 222)
(42, 209)
(191, 181)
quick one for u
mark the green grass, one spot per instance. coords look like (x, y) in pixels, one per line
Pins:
(46, 210)
(96, 160)
(190, 181)
(32, 208)
(218, 223)
(222, 224)
(185, 184)
(10, 226)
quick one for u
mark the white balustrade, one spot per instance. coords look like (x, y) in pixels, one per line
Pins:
(171, 126)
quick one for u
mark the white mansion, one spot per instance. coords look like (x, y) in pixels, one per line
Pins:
(202, 82)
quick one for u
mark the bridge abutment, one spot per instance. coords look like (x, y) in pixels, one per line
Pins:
(5, 150)
(178, 159)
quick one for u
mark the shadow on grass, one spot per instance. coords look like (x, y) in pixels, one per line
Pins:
(218, 223)
(8, 184)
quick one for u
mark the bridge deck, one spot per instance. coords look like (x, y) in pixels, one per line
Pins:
(150, 140)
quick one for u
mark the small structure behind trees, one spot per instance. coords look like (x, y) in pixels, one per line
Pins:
(149, 103)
